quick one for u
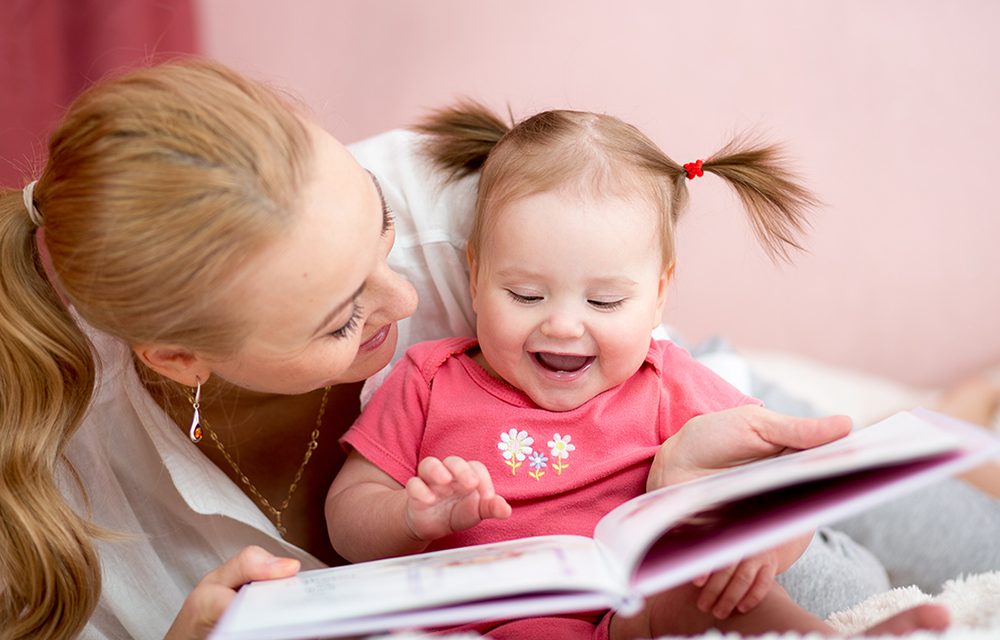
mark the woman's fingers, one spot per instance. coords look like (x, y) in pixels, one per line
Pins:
(252, 563)
(210, 597)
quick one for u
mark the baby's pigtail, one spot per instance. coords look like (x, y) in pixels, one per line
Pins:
(776, 201)
(460, 137)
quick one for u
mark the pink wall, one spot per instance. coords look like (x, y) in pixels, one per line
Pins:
(889, 107)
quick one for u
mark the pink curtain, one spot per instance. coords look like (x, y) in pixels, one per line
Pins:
(51, 49)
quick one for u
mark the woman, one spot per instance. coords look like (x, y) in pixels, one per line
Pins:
(215, 247)
(197, 261)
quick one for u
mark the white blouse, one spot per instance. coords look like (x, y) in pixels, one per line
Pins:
(181, 516)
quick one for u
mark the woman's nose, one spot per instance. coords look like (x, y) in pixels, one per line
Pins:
(391, 296)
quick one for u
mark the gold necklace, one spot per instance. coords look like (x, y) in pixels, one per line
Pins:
(313, 443)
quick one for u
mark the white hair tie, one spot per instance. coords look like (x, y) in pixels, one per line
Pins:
(28, 193)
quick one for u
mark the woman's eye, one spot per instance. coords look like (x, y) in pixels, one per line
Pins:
(606, 305)
(350, 325)
(520, 299)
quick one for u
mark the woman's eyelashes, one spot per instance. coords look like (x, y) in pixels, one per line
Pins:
(388, 220)
(352, 323)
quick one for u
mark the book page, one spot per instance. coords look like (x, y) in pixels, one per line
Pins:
(627, 532)
(335, 600)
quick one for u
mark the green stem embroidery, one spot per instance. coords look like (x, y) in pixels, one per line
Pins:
(558, 465)
(513, 464)
(537, 475)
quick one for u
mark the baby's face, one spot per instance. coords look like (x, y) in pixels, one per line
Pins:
(566, 291)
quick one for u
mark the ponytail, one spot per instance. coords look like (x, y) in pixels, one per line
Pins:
(50, 575)
(554, 147)
(460, 137)
(777, 203)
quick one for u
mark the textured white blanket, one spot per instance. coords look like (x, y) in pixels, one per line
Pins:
(974, 602)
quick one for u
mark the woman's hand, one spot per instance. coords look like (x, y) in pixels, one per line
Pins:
(716, 441)
(211, 596)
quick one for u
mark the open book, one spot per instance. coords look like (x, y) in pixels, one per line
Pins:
(648, 544)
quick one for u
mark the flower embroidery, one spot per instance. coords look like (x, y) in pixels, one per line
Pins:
(515, 446)
(560, 447)
(537, 461)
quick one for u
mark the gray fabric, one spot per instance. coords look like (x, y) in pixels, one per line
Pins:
(925, 539)
(833, 574)
(933, 535)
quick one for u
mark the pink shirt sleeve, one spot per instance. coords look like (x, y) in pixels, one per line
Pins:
(692, 389)
(390, 430)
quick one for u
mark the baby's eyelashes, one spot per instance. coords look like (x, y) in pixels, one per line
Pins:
(607, 305)
(521, 298)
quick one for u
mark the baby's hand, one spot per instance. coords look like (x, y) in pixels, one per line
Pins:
(740, 586)
(449, 496)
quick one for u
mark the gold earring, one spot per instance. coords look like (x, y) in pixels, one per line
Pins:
(196, 432)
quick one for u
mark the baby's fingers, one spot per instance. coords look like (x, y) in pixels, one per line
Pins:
(736, 590)
(433, 471)
(462, 472)
(494, 507)
(418, 491)
(760, 588)
(714, 587)
(486, 489)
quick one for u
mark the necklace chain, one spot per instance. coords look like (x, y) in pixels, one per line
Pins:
(268, 507)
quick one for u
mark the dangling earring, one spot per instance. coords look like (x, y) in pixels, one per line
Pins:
(196, 432)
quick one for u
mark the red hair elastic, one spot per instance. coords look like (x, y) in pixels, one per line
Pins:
(694, 170)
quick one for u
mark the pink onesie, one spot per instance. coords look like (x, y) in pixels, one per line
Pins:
(560, 471)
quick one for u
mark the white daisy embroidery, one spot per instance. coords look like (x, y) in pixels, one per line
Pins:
(515, 446)
(560, 447)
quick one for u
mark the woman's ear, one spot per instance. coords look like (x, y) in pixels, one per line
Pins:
(175, 363)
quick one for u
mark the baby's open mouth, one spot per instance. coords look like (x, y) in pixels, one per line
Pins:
(561, 362)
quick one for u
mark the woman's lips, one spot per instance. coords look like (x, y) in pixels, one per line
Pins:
(377, 339)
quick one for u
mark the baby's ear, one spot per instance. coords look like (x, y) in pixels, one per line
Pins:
(661, 294)
(176, 363)
(473, 275)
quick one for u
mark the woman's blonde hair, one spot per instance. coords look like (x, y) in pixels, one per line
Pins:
(556, 149)
(158, 185)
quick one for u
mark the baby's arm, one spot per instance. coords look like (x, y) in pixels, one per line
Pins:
(369, 515)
